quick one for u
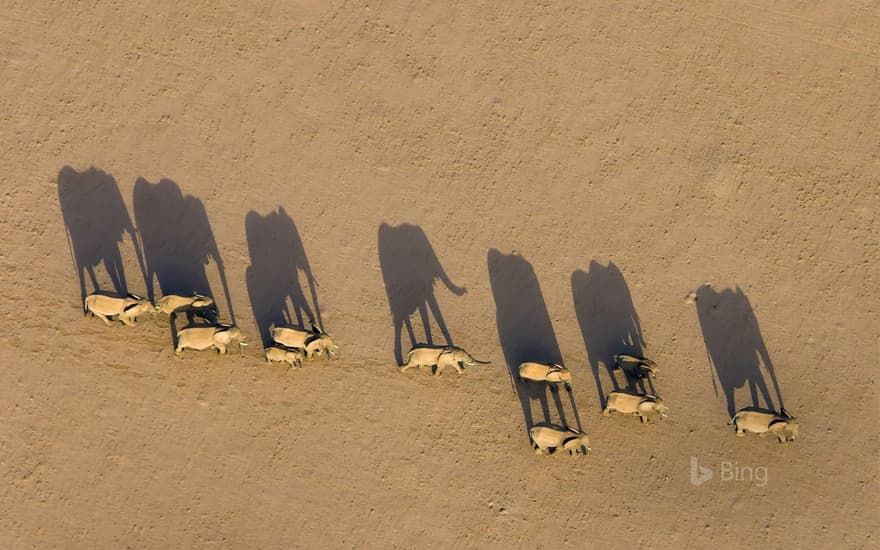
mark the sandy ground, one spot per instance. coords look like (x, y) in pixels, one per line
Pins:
(532, 181)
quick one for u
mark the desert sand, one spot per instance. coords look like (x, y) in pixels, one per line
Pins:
(697, 183)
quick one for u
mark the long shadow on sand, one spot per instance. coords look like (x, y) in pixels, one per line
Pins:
(96, 220)
(735, 347)
(273, 277)
(410, 268)
(526, 333)
(608, 321)
(178, 242)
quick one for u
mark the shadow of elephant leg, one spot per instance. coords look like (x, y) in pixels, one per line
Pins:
(754, 387)
(599, 389)
(545, 407)
(412, 333)
(731, 404)
(435, 309)
(302, 310)
(525, 402)
(113, 263)
(574, 410)
(560, 409)
(612, 374)
(426, 323)
(398, 340)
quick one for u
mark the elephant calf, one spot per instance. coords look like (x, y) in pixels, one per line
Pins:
(277, 354)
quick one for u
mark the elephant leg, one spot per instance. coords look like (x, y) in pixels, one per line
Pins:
(102, 317)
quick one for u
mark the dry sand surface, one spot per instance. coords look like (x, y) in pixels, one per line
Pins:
(531, 180)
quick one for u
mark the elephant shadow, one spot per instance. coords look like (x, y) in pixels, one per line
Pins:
(177, 242)
(735, 347)
(526, 334)
(278, 262)
(96, 220)
(410, 269)
(609, 325)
